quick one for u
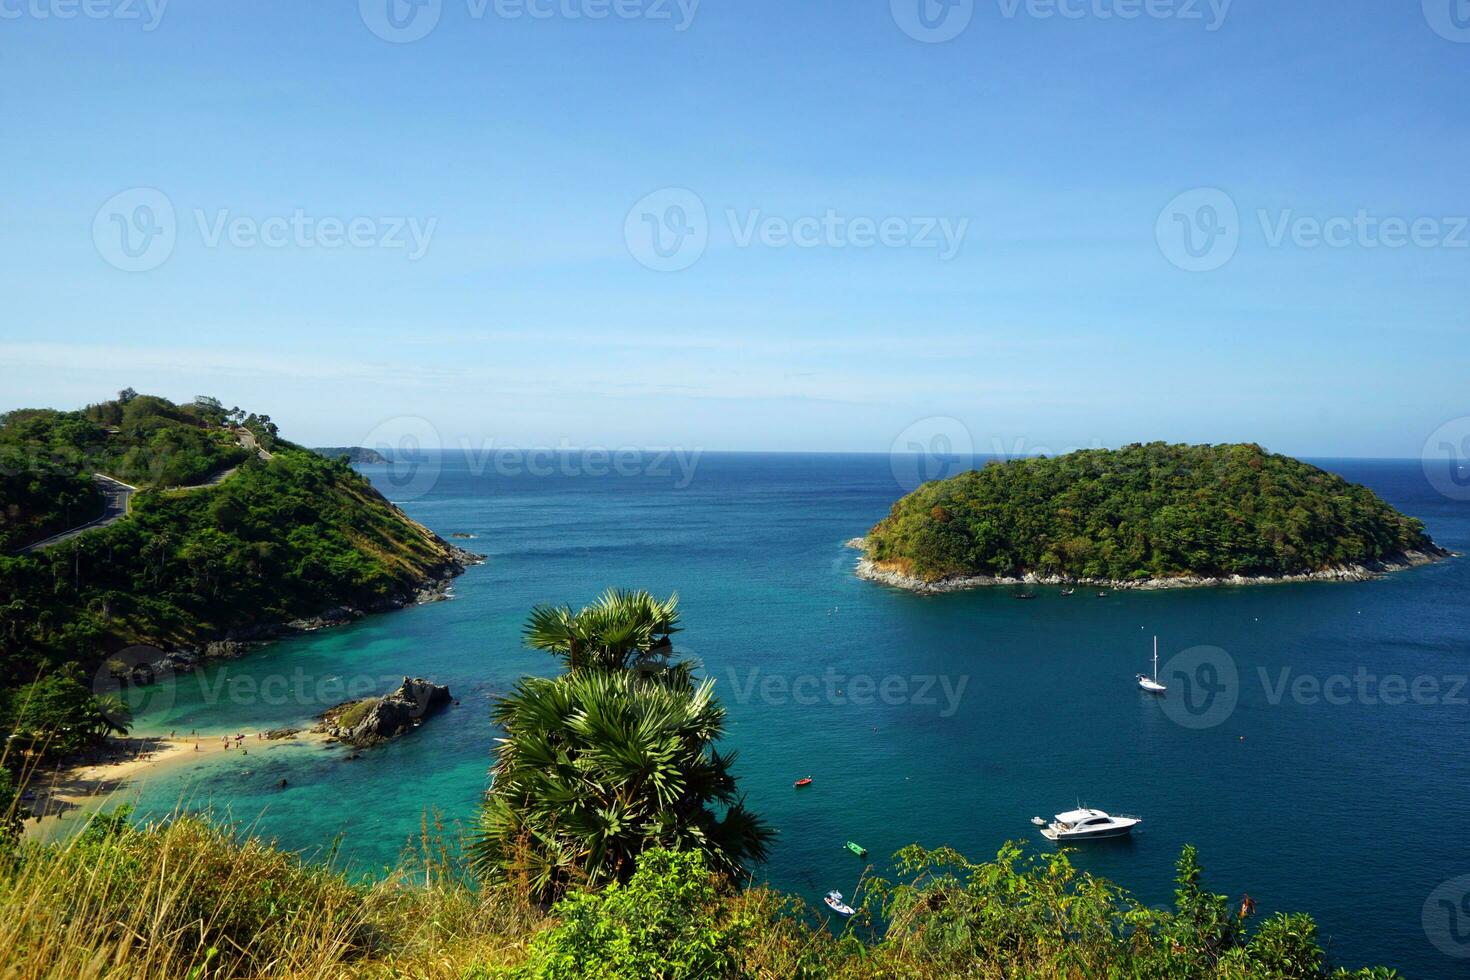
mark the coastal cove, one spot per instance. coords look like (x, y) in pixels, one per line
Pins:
(1306, 804)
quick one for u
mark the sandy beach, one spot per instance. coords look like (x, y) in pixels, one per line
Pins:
(59, 797)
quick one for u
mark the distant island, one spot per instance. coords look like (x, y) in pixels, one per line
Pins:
(1144, 516)
(354, 454)
(188, 530)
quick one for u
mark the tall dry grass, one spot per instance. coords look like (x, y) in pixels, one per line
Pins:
(187, 899)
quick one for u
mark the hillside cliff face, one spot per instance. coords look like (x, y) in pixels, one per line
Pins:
(289, 541)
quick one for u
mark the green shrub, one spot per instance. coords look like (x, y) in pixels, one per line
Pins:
(666, 922)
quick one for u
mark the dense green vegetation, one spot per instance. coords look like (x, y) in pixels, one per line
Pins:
(1144, 511)
(188, 898)
(47, 457)
(59, 714)
(612, 759)
(280, 539)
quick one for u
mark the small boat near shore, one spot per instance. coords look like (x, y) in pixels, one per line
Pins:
(802, 782)
(1086, 823)
(857, 849)
(836, 904)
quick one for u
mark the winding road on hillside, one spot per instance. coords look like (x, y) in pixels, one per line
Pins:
(117, 496)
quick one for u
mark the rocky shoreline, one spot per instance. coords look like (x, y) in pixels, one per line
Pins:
(435, 587)
(1358, 572)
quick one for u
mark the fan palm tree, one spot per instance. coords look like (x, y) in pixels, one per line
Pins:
(598, 766)
(618, 631)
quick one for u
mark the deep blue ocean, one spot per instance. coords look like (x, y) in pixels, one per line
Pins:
(1312, 744)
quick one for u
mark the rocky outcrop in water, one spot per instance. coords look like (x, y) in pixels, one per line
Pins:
(371, 721)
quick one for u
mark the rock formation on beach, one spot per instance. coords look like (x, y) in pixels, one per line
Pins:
(371, 721)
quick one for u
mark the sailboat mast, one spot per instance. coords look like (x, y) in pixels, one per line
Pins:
(1156, 659)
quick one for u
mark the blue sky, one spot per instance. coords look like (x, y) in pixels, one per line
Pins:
(501, 173)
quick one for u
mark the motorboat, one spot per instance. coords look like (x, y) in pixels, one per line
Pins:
(857, 849)
(1151, 684)
(803, 781)
(836, 904)
(1086, 823)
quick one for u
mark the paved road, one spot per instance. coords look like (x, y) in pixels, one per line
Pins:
(116, 496)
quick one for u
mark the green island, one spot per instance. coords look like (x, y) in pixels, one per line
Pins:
(1154, 515)
(613, 843)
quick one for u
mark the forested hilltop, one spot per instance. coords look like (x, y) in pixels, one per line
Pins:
(1142, 513)
(231, 529)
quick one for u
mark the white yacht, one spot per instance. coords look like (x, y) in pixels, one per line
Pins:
(1151, 684)
(1086, 823)
(836, 904)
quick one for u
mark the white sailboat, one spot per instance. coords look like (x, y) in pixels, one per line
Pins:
(1151, 684)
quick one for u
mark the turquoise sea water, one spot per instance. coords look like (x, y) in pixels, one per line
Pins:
(982, 712)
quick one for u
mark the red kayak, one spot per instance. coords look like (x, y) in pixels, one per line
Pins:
(805, 781)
